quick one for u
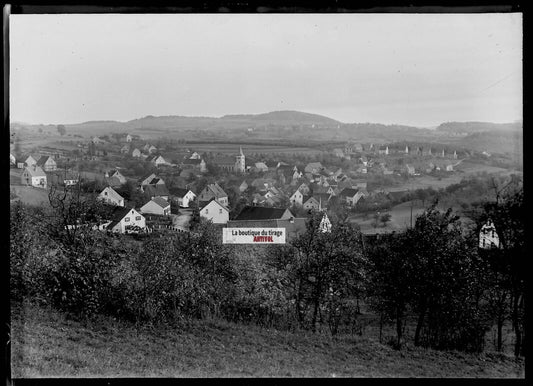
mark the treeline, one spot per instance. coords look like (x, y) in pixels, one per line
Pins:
(433, 274)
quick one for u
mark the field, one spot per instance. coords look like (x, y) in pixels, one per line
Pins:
(45, 343)
(27, 194)
(233, 148)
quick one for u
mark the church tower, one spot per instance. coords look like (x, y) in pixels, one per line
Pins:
(240, 162)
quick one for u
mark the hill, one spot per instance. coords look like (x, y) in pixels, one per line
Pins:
(501, 142)
(475, 127)
(285, 117)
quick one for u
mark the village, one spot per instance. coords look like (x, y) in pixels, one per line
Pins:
(160, 187)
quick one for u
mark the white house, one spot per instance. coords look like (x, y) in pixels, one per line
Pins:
(296, 198)
(184, 197)
(12, 159)
(127, 220)
(157, 160)
(26, 160)
(215, 212)
(195, 155)
(488, 237)
(136, 153)
(129, 138)
(156, 205)
(34, 176)
(110, 196)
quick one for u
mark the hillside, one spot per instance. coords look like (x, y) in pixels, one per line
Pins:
(47, 344)
(501, 142)
(285, 117)
(475, 127)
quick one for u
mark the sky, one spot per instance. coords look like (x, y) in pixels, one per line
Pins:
(412, 69)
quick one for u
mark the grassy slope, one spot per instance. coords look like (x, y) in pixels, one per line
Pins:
(46, 344)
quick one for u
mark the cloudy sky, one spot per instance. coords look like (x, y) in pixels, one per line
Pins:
(411, 69)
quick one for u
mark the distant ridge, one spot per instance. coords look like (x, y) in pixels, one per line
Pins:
(477, 127)
(286, 116)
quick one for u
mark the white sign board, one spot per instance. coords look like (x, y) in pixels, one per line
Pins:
(253, 235)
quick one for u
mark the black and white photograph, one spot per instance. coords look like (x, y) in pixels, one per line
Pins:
(266, 194)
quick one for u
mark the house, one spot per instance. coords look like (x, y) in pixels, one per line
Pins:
(313, 167)
(449, 168)
(114, 173)
(136, 153)
(488, 237)
(194, 163)
(260, 167)
(26, 160)
(297, 175)
(129, 138)
(410, 170)
(304, 188)
(195, 155)
(296, 198)
(157, 160)
(183, 196)
(151, 179)
(156, 205)
(350, 196)
(263, 217)
(215, 211)
(34, 176)
(12, 159)
(125, 149)
(243, 186)
(97, 140)
(110, 196)
(383, 150)
(159, 190)
(149, 148)
(258, 213)
(64, 178)
(213, 191)
(312, 203)
(407, 149)
(126, 220)
(338, 153)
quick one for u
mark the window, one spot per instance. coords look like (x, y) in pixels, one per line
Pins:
(138, 218)
(206, 211)
(220, 211)
(127, 219)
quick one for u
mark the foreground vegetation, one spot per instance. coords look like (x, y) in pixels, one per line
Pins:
(46, 343)
(432, 278)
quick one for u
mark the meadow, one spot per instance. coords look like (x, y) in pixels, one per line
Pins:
(46, 343)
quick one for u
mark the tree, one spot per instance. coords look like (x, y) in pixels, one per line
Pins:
(508, 264)
(328, 268)
(388, 284)
(445, 282)
(61, 129)
(385, 218)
